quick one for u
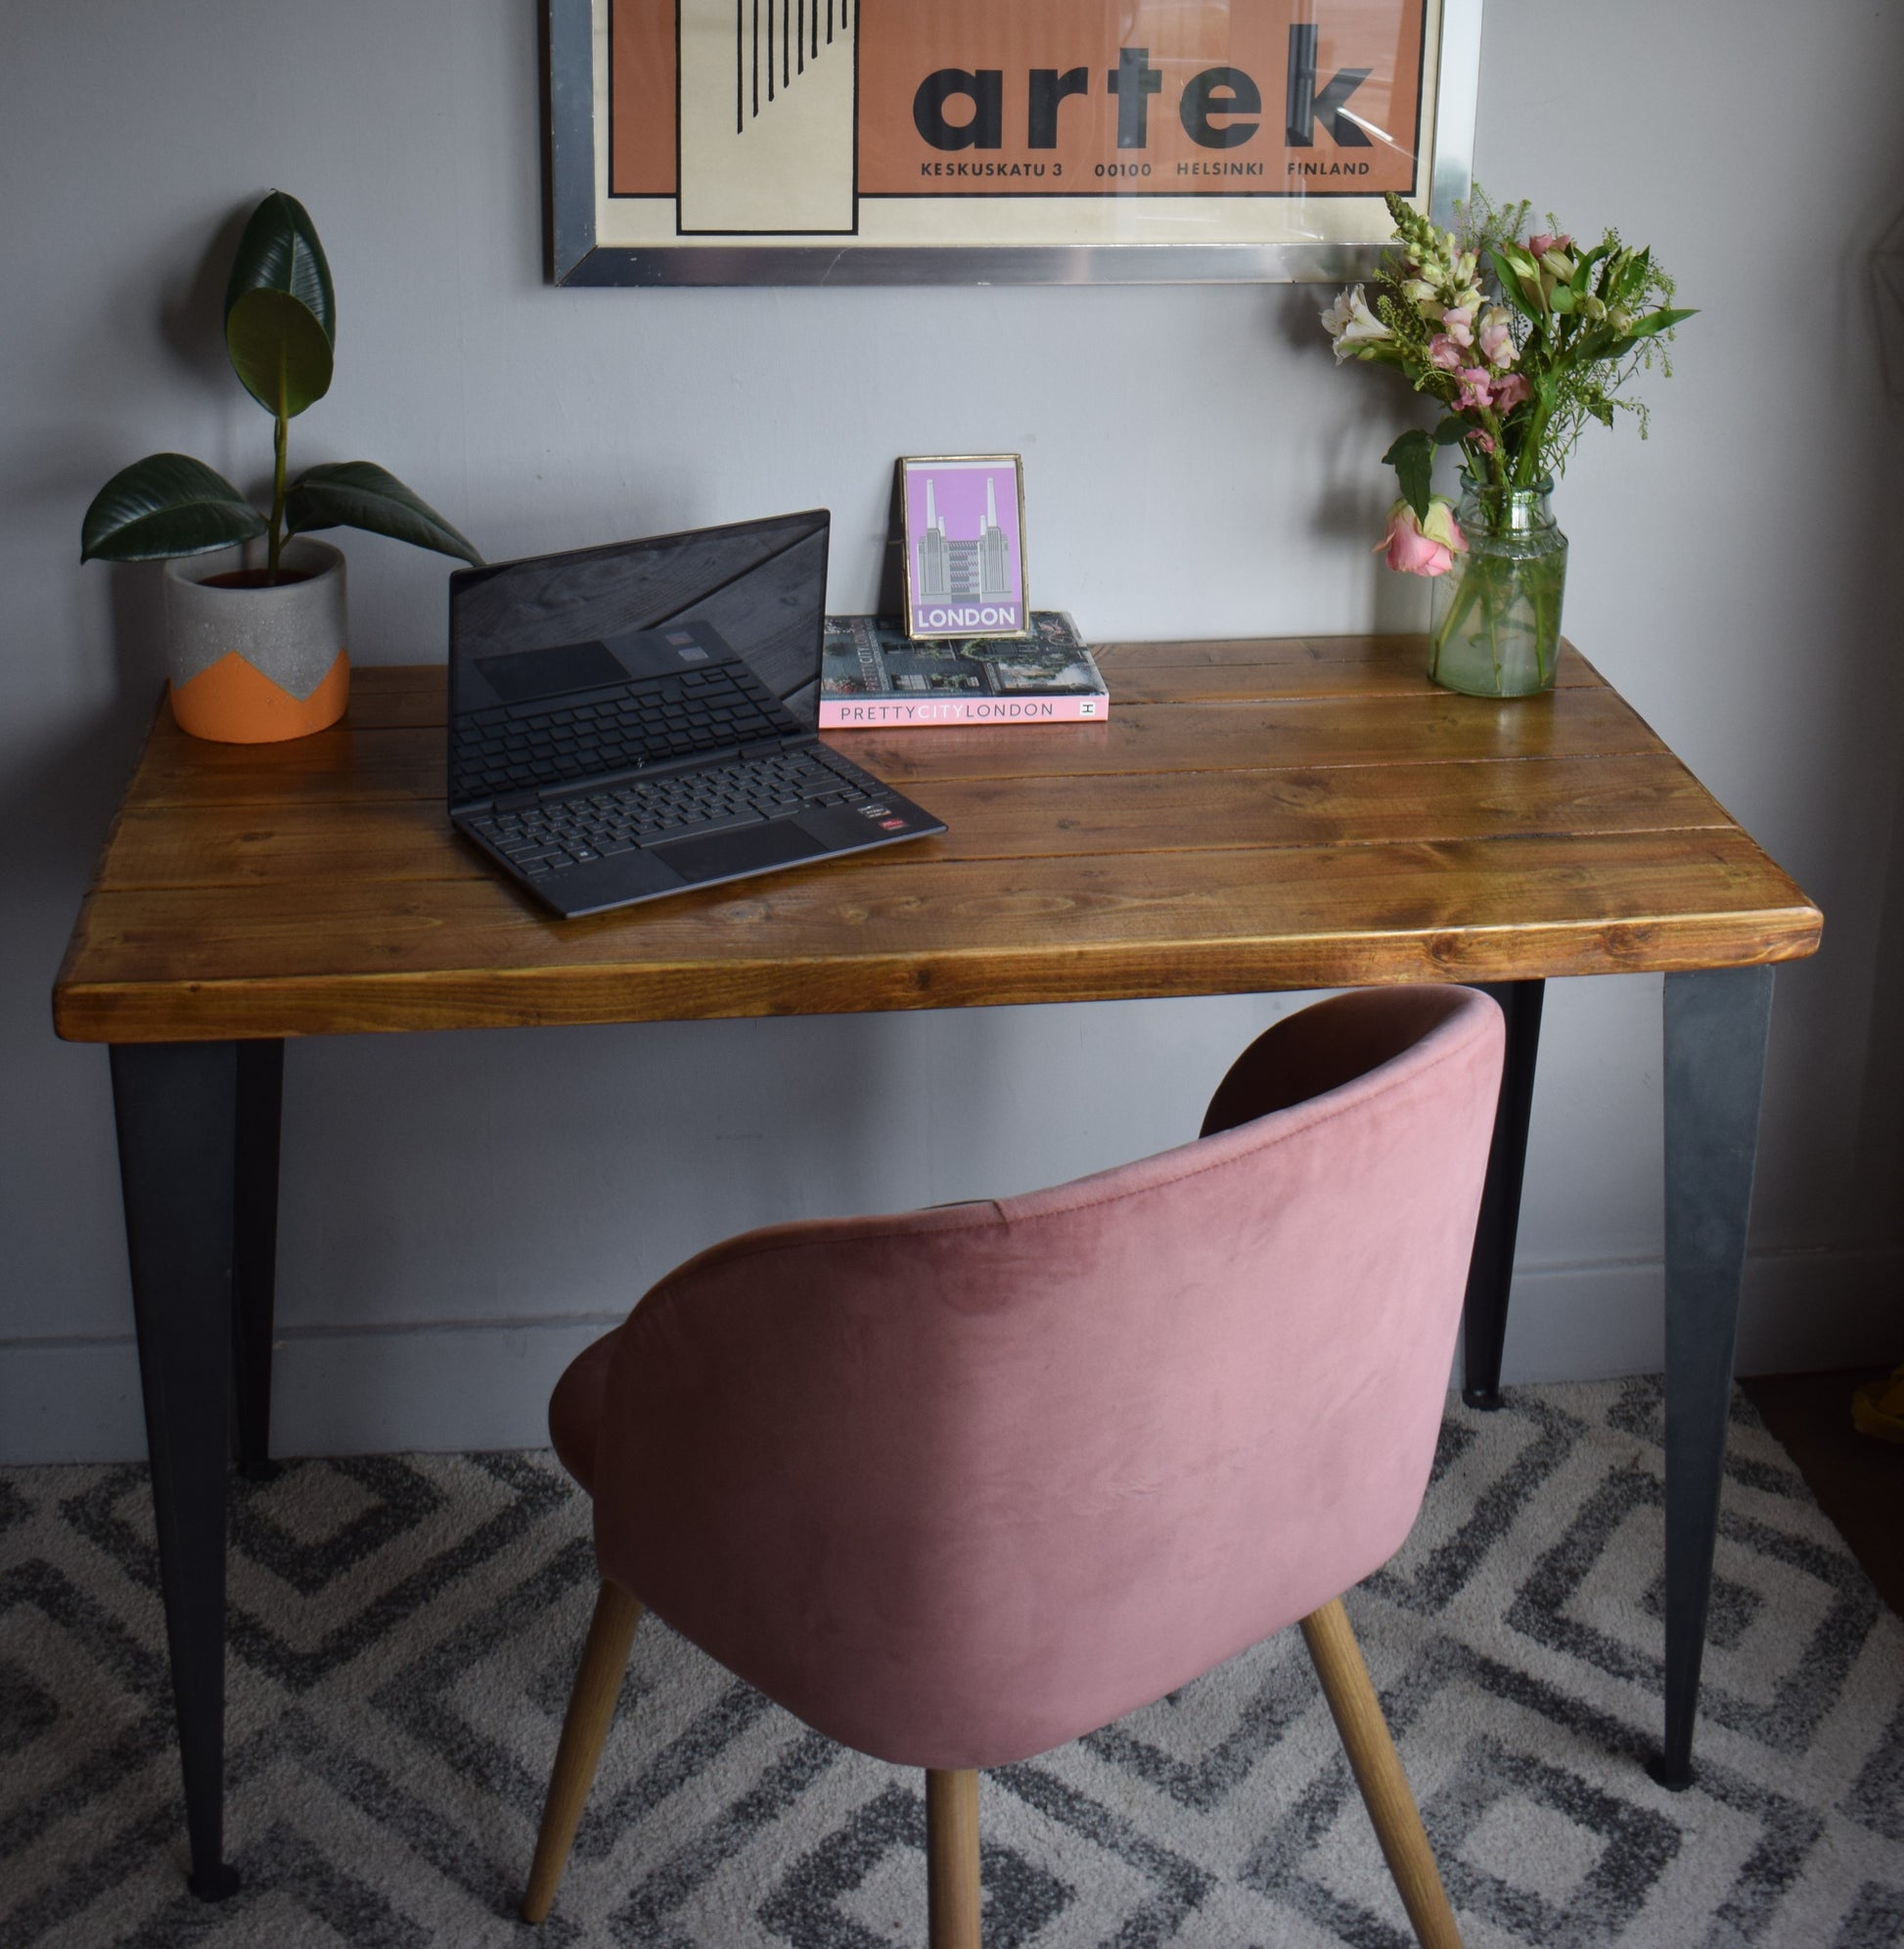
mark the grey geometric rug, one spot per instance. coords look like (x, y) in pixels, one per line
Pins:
(404, 1630)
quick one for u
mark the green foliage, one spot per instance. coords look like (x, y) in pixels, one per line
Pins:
(281, 357)
(1412, 458)
(1581, 324)
(280, 311)
(359, 494)
(165, 505)
(279, 250)
(280, 333)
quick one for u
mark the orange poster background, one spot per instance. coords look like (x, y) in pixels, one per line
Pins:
(902, 41)
(641, 98)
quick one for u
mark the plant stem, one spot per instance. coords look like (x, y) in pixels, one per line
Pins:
(1493, 606)
(1466, 590)
(279, 438)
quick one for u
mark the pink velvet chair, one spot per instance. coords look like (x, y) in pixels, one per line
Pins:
(960, 1485)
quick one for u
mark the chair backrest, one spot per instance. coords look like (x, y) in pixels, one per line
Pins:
(959, 1485)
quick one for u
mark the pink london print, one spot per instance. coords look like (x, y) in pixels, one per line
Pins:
(965, 549)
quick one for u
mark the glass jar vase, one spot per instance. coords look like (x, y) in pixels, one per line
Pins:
(1494, 627)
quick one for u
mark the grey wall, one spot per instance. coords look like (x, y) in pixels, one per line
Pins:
(461, 1212)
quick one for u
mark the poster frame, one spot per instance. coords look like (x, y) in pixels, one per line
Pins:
(574, 256)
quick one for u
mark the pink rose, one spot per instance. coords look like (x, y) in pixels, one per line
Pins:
(1459, 324)
(1422, 548)
(1510, 391)
(1444, 352)
(1549, 240)
(1474, 391)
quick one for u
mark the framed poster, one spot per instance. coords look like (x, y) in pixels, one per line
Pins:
(965, 545)
(998, 141)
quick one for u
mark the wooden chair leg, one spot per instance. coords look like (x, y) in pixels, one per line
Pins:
(591, 1706)
(1377, 1773)
(952, 1859)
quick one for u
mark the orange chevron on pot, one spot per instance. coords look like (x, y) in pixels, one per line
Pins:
(234, 703)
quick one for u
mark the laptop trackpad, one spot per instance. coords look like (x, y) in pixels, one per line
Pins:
(751, 849)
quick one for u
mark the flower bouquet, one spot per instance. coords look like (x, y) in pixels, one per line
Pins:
(1522, 338)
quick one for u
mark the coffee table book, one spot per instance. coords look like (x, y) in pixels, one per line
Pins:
(872, 673)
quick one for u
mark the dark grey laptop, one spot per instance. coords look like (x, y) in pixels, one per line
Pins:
(629, 721)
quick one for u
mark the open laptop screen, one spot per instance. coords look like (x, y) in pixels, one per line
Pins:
(762, 585)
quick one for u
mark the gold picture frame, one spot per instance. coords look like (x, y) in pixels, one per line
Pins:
(964, 542)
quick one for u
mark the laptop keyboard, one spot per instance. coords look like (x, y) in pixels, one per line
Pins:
(612, 730)
(595, 825)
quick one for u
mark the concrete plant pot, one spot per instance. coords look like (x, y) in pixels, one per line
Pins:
(253, 665)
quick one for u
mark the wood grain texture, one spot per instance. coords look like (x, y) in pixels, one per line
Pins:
(1327, 819)
(354, 765)
(953, 1894)
(224, 843)
(1289, 666)
(1377, 1766)
(584, 1730)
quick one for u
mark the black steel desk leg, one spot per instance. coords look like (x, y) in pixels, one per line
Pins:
(254, 1252)
(1490, 1272)
(176, 1106)
(1716, 1023)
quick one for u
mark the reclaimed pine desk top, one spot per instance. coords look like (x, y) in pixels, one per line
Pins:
(1300, 813)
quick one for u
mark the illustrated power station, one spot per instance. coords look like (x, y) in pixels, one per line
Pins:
(956, 569)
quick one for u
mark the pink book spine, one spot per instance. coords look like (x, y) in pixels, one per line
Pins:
(894, 713)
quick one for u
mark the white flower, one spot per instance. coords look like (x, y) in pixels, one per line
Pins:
(1351, 323)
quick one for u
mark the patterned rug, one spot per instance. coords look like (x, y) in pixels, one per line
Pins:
(404, 1637)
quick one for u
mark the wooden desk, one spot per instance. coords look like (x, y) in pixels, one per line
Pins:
(1307, 812)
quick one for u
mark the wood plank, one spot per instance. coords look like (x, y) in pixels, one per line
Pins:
(316, 845)
(1295, 812)
(393, 697)
(1287, 667)
(413, 696)
(350, 764)
(890, 934)
(1432, 726)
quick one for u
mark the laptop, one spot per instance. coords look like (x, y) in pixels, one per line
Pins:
(630, 721)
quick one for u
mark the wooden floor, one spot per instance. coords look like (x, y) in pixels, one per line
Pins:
(1859, 1481)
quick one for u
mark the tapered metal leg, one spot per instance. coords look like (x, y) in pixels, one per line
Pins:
(176, 1106)
(1490, 1272)
(1716, 1022)
(254, 1252)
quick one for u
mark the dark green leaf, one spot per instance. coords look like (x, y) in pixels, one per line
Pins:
(280, 251)
(279, 351)
(1452, 430)
(1601, 410)
(358, 493)
(165, 505)
(1412, 458)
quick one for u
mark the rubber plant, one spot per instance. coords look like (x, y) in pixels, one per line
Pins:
(281, 333)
